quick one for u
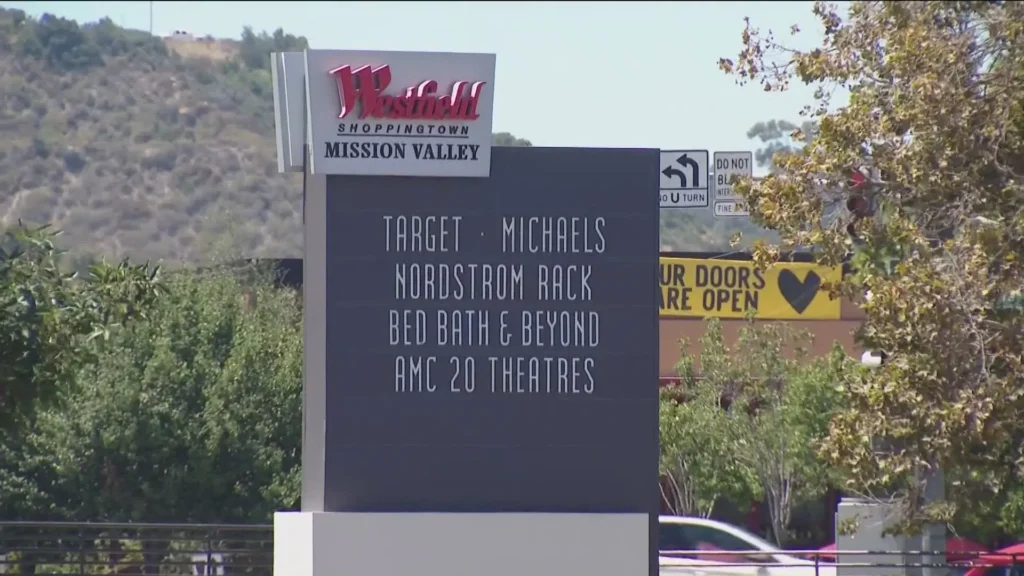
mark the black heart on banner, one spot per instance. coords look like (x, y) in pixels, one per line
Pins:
(799, 293)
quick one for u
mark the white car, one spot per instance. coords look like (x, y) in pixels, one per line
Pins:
(756, 556)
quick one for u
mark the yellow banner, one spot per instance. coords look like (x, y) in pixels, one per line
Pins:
(694, 288)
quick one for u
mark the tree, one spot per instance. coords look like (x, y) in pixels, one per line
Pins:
(935, 112)
(776, 135)
(781, 419)
(193, 414)
(64, 46)
(811, 397)
(990, 517)
(47, 316)
(255, 49)
(113, 40)
(766, 413)
(52, 323)
(697, 465)
(699, 459)
(507, 139)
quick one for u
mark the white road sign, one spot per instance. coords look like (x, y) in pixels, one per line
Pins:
(731, 208)
(684, 179)
(728, 165)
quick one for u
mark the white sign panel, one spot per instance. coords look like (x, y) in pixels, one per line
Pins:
(399, 113)
(684, 179)
(727, 166)
(731, 208)
(293, 68)
(288, 73)
(280, 128)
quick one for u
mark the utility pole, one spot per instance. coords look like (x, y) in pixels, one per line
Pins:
(150, 17)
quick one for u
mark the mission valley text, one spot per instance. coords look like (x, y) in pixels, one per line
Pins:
(400, 151)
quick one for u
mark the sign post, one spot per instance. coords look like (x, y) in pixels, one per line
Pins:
(475, 318)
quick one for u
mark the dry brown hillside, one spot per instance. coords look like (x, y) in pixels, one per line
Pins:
(156, 148)
(133, 149)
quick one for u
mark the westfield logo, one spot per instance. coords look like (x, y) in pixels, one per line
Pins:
(366, 88)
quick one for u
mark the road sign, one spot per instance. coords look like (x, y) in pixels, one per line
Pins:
(728, 165)
(731, 208)
(684, 179)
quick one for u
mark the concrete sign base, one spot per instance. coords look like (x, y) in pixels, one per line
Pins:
(438, 544)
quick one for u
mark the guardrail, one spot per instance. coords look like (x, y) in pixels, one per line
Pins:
(824, 563)
(135, 549)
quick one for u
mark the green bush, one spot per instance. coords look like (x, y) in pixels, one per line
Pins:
(64, 45)
(255, 49)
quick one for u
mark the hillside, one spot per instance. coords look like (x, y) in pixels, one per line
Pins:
(156, 148)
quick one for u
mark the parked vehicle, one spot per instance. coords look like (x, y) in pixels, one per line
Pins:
(703, 547)
(1007, 561)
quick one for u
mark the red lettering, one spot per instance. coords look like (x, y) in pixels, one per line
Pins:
(364, 88)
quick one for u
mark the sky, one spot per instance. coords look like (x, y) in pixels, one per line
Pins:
(594, 74)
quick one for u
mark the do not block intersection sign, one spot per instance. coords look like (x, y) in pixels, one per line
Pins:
(684, 179)
(728, 166)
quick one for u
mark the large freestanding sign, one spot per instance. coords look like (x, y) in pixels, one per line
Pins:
(481, 338)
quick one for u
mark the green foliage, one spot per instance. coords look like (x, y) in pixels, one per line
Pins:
(255, 49)
(60, 43)
(698, 463)
(507, 139)
(991, 517)
(191, 414)
(128, 397)
(935, 110)
(52, 325)
(47, 316)
(64, 46)
(112, 40)
(812, 395)
(756, 423)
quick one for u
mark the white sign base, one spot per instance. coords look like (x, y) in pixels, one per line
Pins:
(435, 544)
